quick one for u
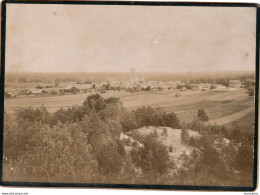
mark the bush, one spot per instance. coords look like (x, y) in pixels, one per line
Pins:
(59, 154)
(112, 100)
(148, 88)
(147, 116)
(7, 95)
(127, 141)
(34, 115)
(165, 132)
(185, 137)
(202, 116)
(153, 158)
(121, 148)
(39, 87)
(251, 93)
(177, 95)
(70, 115)
(127, 120)
(109, 160)
(95, 102)
(212, 87)
(134, 144)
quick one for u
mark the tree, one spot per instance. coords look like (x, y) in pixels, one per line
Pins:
(108, 157)
(171, 120)
(147, 116)
(58, 154)
(71, 114)
(177, 95)
(148, 88)
(7, 95)
(185, 137)
(170, 149)
(143, 115)
(202, 116)
(95, 102)
(251, 92)
(212, 87)
(211, 162)
(244, 158)
(127, 120)
(112, 100)
(104, 137)
(33, 115)
(165, 132)
(153, 157)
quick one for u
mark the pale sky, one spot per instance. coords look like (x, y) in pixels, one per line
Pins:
(100, 38)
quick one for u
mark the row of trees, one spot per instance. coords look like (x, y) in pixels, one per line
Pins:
(106, 109)
(224, 81)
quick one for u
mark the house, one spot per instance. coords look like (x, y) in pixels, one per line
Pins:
(178, 83)
(35, 91)
(220, 86)
(13, 94)
(235, 83)
(204, 86)
(183, 89)
(194, 87)
(115, 83)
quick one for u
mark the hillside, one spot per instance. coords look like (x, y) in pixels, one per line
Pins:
(171, 139)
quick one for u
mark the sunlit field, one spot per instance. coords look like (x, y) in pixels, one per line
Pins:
(221, 106)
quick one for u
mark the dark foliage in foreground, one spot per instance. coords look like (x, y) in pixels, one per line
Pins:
(82, 144)
(152, 157)
(222, 156)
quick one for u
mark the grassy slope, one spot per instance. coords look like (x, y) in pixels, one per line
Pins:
(246, 122)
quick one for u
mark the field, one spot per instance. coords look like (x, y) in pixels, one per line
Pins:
(222, 106)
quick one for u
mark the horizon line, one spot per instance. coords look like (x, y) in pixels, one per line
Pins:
(165, 72)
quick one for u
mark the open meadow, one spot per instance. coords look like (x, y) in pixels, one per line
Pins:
(222, 106)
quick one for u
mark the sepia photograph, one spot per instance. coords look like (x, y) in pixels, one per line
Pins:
(130, 94)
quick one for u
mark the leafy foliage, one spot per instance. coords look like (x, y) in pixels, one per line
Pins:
(49, 154)
(148, 116)
(153, 157)
(202, 116)
(83, 144)
(185, 138)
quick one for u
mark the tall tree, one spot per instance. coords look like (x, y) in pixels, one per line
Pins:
(202, 116)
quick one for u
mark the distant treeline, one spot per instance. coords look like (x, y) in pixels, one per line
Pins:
(89, 77)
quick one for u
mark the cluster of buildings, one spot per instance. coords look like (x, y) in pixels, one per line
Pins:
(235, 84)
(135, 81)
